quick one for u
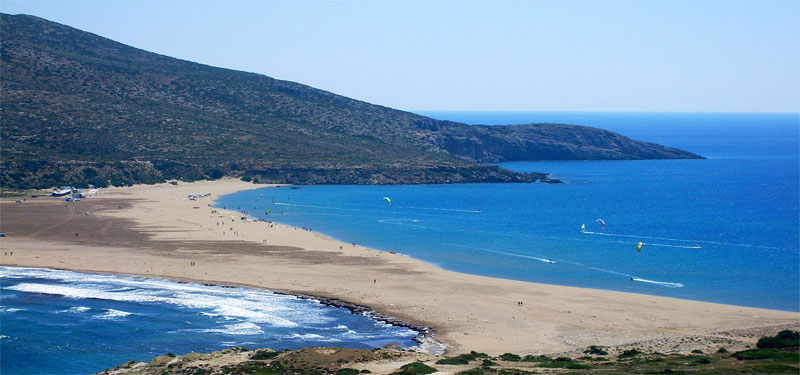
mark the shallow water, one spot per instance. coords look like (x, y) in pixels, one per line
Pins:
(723, 229)
(62, 322)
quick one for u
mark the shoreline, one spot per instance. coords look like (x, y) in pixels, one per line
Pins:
(169, 231)
(393, 252)
(423, 339)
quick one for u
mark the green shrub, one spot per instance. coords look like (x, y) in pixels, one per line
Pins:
(629, 353)
(488, 363)
(215, 173)
(474, 371)
(478, 354)
(697, 351)
(560, 362)
(511, 357)
(702, 360)
(536, 358)
(722, 350)
(595, 350)
(577, 366)
(415, 368)
(784, 339)
(752, 354)
(262, 355)
(453, 361)
(462, 359)
(365, 371)
(347, 371)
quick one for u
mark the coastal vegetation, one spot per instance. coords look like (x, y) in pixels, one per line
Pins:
(81, 109)
(784, 359)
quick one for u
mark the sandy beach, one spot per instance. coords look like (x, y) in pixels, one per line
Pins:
(154, 230)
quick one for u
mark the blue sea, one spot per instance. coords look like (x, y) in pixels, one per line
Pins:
(723, 229)
(62, 322)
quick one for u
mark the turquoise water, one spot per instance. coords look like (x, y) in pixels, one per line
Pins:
(724, 229)
(61, 322)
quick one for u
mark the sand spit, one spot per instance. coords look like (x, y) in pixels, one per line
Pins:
(154, 230)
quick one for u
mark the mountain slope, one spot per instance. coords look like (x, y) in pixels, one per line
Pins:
(77, 106)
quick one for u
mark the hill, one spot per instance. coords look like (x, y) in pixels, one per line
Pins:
(80, 107)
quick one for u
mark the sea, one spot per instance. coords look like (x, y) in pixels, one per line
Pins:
(722, 229)
(63, 322)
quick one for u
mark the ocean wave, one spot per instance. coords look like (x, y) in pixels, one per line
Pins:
(256, 311)
(113, 314)
(77, 309)
(313, 337)
(10, 310)
(245, 328)
(238, 311)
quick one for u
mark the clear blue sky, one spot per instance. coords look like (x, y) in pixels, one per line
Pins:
(729, 56)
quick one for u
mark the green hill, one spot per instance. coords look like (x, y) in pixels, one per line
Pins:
(77, 107)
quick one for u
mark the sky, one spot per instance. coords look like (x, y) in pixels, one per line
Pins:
(683, 56)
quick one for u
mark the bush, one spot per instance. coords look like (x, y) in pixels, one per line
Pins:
(261, 355)
(752, 354)
(89, 173)
(474, 371)
(722, 350)
(347, 371)
(247, 178)
(478, 354)
(702, 360)
(511, 357)
(784, 339)
(561, 362)
(577, 366)
(488, 363)
(453, 361)
(697, 351)
(537, 358)
(629, 353)
(415, 368)
(215, 173)
(462, 359)
(596, 350)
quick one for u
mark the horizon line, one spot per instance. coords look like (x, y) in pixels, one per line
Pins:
(599, 111)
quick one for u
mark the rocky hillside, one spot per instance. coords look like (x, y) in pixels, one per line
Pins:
(80, 107)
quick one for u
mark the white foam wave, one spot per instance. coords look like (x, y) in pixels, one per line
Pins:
(77, 309)
(245, 328)
(258, 311)
(313, 337)
(250, 311)
(113, 314)
(11, 310)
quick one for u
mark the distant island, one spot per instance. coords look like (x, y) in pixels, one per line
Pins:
(81, 109)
